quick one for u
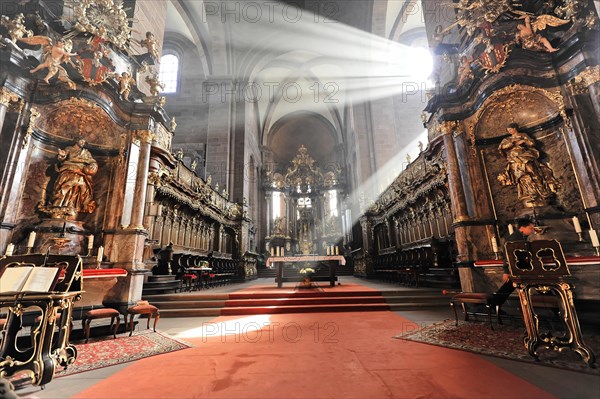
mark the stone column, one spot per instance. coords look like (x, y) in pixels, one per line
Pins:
(139, 195)
(457, 194)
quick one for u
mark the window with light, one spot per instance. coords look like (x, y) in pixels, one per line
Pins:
(169, 72)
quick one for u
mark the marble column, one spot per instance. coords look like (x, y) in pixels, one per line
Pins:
(457, 194)
(139, 195)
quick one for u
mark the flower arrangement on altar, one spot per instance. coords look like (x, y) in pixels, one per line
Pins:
(307, 271)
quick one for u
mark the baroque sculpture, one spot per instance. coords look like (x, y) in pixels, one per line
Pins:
(54, 56)
(535, 181)
(126, 82)
(530, 40)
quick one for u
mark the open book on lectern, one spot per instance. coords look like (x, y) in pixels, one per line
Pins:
(28, 279)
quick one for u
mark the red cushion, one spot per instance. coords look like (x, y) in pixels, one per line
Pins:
(142, 309)
(101, 313)
(474, 295)
(190, 276)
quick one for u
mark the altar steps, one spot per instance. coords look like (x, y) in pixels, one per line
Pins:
(300, 301)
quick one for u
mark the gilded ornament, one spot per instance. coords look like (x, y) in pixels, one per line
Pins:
(580, 84)
(15, 27)
(7, 96)
(33, 115)
(102, 18)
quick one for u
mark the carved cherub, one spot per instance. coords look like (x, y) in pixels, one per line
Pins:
(155, 85)
(16, 28)
(464, 71)
(529, 39)
(151, 44)
(54, 56)
(126, 82)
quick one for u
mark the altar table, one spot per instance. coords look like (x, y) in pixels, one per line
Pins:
(332, 260)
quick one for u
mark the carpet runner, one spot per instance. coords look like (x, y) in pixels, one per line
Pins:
(107, 351)
(311, 355)
(505, 341)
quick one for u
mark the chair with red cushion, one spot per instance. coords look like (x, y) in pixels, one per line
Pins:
(142, 309)
(94, 314)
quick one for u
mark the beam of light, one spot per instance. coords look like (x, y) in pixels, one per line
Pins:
(365, 67)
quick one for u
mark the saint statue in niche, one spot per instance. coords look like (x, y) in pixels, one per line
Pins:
(534, 179)
(73, 190)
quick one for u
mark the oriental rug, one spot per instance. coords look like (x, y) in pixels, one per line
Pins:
(106, 351)
(505, 341)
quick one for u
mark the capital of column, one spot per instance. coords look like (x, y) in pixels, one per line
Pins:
(449, 127)
(145, 136)
(580, 84)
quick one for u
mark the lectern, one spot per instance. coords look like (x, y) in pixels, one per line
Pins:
(539, 267)
(48, 344)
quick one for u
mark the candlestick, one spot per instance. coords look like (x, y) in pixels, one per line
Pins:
(595, 242)
(100, 255)
(494, 244)
(328, 250)
(90, 241)
(511, 229)
(10, 249)
(277, 251)
(576, 224)
(337, 250)
(282, 251)
(31, 239)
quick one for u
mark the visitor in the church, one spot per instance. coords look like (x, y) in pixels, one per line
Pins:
(525, 228)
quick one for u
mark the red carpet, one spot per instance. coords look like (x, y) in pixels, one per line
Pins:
(326, 355)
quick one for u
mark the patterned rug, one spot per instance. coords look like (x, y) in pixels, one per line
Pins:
(106, 351)
(506, 341)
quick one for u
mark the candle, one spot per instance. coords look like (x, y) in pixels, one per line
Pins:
(576, 224)
(10, 249)
(282, 251)
(511, 229)
(272, 251)
(31, 240)
(100, 254)
(90, 241)
(277, 252)
(494, 244)
(594, 238)
(337, 250)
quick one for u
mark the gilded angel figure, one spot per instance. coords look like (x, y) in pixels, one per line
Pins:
(54, 56)
(528, 37)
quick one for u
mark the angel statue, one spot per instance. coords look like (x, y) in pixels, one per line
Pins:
(530, 40)
(16, 28)
(54, 56)
(155, 85)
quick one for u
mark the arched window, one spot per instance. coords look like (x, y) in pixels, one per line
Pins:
(169, 72)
